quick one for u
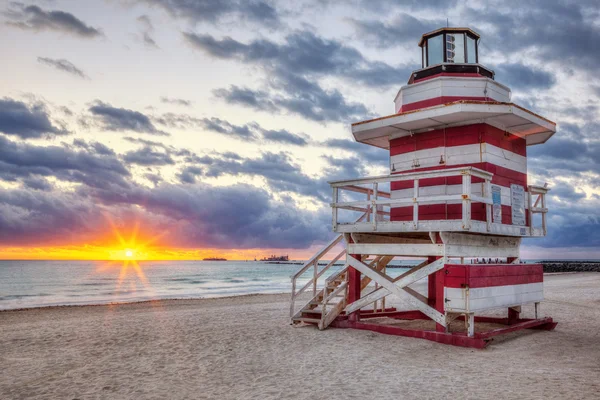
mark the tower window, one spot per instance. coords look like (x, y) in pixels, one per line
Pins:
(435, 52)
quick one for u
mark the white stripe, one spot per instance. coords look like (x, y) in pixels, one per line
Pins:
(493, 296)
(459, 155)
(476, 189)
(452, 87)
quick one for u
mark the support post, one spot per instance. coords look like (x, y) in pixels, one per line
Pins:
(513, 314)
(435, 287)
(354, 282)
(466, 202)
(353, 288)
(334, 210)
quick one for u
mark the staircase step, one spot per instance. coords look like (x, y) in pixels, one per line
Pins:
(312, 312)
(311, 320)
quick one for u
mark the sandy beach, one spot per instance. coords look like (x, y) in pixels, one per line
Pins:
(244, 348)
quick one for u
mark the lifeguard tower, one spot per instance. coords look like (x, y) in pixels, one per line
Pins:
(457, 193)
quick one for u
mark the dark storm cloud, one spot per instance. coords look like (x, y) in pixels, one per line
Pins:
(294, 68)
(38, 217)
(317, 105)
(63, 65)
(122, 119)
(554, 31)
(372, 154)
(148, 156)
(37, 183)
(250, 132)
(256, 99)
(253, 219)
(176, 101)
(191, 216)
(189, 174)
(35, 18)
(22, 160)
(392, 5)
(302, 53)
(402, 29)
(523, 77)
(96, 147)
(214, 11)
(572, 219)
(284, 136)
(20, 119)
(244, 132)
(279, 170)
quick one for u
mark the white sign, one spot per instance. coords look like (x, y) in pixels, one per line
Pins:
(517, 198)
(497, 204)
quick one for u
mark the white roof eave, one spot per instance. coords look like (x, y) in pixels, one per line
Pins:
(505, 116)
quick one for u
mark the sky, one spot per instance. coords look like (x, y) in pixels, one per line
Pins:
(187, 129)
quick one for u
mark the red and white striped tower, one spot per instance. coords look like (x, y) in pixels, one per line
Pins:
(458, 189)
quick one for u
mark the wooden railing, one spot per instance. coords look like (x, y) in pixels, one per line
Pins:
(378, 204)
(313, 263)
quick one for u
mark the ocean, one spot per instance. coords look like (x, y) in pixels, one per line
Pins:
(26, 284)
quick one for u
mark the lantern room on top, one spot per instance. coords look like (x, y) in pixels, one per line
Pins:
(449, 45)
(451, 50)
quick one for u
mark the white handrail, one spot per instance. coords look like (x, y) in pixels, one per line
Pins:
(314, 262)
(380, 205)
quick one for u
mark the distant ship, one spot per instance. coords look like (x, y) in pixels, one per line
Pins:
(214, 259)
(276, 258)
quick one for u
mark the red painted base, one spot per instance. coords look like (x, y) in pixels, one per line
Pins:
(479, 341)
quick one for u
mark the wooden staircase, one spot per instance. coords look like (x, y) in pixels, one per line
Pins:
(327, 304)
(330, 301)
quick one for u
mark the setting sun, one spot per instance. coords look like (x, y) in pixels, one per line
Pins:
(128, 253)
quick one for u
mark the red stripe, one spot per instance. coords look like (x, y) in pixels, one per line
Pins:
(459, 136)
(436, 101)
(459, 74)
(478, 276)
(495, 281)
(489, 270)
(436, 212)
(502, 176)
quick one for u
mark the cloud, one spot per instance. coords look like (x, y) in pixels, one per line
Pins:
(256, 99)
(250, 132)
(92, 166)
(63, 65)
(402, 29)
(294, 68)
(189, 174)
(313, 102)
(215, 11)
(147, 30)
(122, 119)
(244, 132)
(391, 5)
(147, 156)
(551, 31)
(37, 19)
(27, 122)
(371, 154)
(304, 53)
(284, 136)
(176, 101)
(95, 147)
(523, 77)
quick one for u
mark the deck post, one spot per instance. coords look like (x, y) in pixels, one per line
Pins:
(435, 287)
(354, 283)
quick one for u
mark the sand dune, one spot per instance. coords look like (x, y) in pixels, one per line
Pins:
(244, 348)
